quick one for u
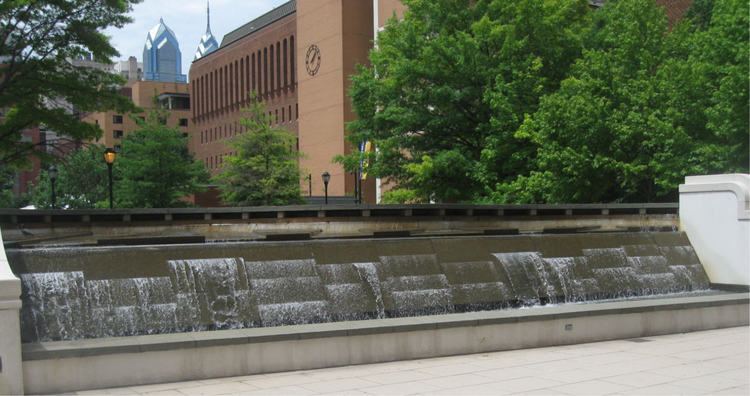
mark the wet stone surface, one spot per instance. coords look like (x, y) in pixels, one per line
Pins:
(236, 292)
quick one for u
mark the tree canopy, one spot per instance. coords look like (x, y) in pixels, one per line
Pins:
(81, 182)
(449, 85)
(551, 101)
(263, 169)
(38, 83)
(642, 109)
(155, 168)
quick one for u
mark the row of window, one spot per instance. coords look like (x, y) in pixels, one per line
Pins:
(229, 130)
(117, 119)
(265, 71)
(216, 161)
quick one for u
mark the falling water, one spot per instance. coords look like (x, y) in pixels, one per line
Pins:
(224, 293)
(369, 274)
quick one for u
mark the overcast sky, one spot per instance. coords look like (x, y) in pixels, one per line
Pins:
(187, 18)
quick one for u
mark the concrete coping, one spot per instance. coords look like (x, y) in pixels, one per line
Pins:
(161, 342)
(738, 184)
(10, 285)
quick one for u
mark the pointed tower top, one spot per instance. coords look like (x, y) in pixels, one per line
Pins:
(208, 16)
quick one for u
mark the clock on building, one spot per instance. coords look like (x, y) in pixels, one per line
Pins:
(312, 60)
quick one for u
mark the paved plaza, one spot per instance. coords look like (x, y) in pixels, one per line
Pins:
(715, 362)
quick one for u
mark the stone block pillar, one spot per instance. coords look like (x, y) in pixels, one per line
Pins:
(11, 370)
(715, 214)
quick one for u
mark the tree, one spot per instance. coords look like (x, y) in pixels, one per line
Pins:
(641, 109)
(264, 169)
(156, 170)
(39, 85)
(81, 183)
(450, 84)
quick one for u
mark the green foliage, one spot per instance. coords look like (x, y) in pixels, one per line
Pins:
(401, 196)
(451, 82)
(544, 101)
(81, 182)
(641, 109)
(38, 84)
(155, 168)
(263, 170)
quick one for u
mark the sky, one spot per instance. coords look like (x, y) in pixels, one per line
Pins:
(187, 18)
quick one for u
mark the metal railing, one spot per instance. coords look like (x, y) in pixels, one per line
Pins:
(322, 212)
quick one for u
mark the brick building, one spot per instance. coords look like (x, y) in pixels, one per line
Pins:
(173, 97)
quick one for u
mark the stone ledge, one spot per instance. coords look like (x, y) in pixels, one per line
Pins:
(164, 342)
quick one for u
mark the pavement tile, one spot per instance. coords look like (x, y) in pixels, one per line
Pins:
(690, 370)
(737, 391)
(338, 385)
(662, 389)
(742, 374)
(640, 379)
(456, 381)
(404, 388)
(453, 369)
(574, 375)
(218, 389)
(109, 391)
(284, 390)
(264, 382)
(492, 388)
(593, 387)
(527, 384)
(504, 374)
(168, 392)
(711, 383)
(397, 377)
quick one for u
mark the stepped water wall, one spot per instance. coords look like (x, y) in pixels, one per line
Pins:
(95, 292)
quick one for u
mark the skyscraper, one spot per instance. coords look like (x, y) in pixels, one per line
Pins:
(208, 43)
(162, 59)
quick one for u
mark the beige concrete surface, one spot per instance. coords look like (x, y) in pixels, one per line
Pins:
(715, 362)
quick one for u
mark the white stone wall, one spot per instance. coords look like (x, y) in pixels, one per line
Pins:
(715, 214)
(11, 373)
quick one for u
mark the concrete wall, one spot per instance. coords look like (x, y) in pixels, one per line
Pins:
(11, 376)
(715, 214)
(62, 367)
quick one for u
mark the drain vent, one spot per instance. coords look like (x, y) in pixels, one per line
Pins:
(638, 340)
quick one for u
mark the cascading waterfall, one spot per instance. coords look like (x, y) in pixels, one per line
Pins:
(231, 293)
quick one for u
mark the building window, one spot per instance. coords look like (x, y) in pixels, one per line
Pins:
(265, 70)
(278, 65)
(283, 118)
(184, 134)
(117, 119)
(292, 52)
(183, 122)
(117, 134)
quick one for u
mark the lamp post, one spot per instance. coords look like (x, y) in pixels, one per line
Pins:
(326, 179)
(109, 158)
(52, 173)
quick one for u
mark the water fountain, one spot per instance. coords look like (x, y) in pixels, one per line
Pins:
(234, 286)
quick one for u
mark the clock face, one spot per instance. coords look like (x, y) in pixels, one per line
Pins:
(312, 60)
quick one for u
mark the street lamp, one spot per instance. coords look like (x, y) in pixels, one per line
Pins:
(52, 173)
(326, 179)
(109, 158)
(309, 184)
